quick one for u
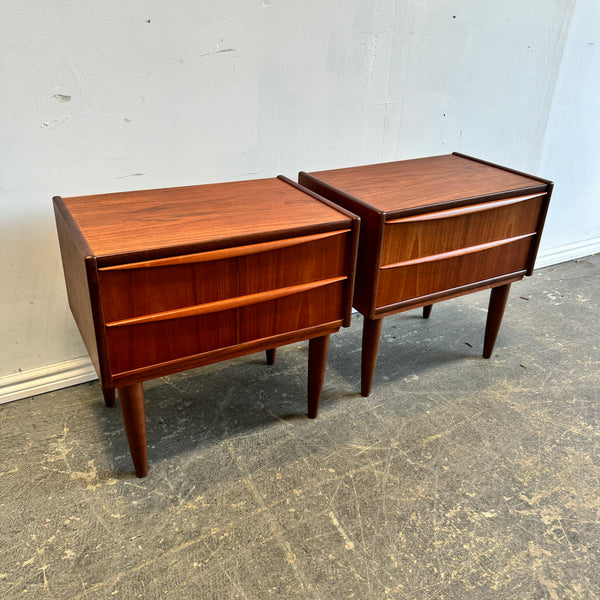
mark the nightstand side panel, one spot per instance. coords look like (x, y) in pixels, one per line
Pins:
(75, 268)
(369, 242)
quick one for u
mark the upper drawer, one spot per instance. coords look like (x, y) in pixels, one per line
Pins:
(443, 231)
(145, 288)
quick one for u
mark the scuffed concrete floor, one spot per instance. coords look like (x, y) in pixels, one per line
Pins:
(457, 478)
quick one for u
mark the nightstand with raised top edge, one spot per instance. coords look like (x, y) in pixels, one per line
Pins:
(161, 281)
(432, 229)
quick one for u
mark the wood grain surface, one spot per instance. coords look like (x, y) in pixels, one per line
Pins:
(130, 222)
(432, 229)
(459, 228)
(423, 182)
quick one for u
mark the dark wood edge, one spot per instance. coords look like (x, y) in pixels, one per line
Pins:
(316, 196)
(478, 286)
(212, 356)
(91, 269)
(540, 227)
(322, 188)
(351, 269)
(376, 271)
(491, 164)
(78, 238)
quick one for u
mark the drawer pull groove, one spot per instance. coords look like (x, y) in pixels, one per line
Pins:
(228, 304)
(465, 210)
(224, 252)
(455, 253)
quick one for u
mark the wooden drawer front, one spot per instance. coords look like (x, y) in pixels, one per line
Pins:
(318, 306)
(425, 277)
(141, 345)
(444, 231)
(144, 344)
(167, 284)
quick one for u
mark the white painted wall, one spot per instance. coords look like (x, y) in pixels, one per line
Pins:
(571, 149)
(108, 96)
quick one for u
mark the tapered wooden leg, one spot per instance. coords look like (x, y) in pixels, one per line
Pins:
(317, 359)
(109, 396)
(271, 356)
(498, 299)
(427, 311)
(370, 346)
(131, 398)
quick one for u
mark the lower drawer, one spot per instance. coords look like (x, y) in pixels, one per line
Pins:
(412, 281)
(139, 345)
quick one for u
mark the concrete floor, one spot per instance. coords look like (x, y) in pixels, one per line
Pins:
(457, 478)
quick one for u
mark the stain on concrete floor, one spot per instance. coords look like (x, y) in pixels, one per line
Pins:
(457, 478)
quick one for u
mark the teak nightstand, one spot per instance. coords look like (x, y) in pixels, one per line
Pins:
(432, 229)
(161, 281)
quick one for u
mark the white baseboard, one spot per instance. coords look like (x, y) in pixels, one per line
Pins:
(46, 379)
(568, 252)
(80, 370)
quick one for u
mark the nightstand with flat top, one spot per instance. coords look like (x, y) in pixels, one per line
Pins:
(161, 281)
(433, 229)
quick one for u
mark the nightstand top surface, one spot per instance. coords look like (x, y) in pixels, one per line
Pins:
(409, 184)
(139, 221)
